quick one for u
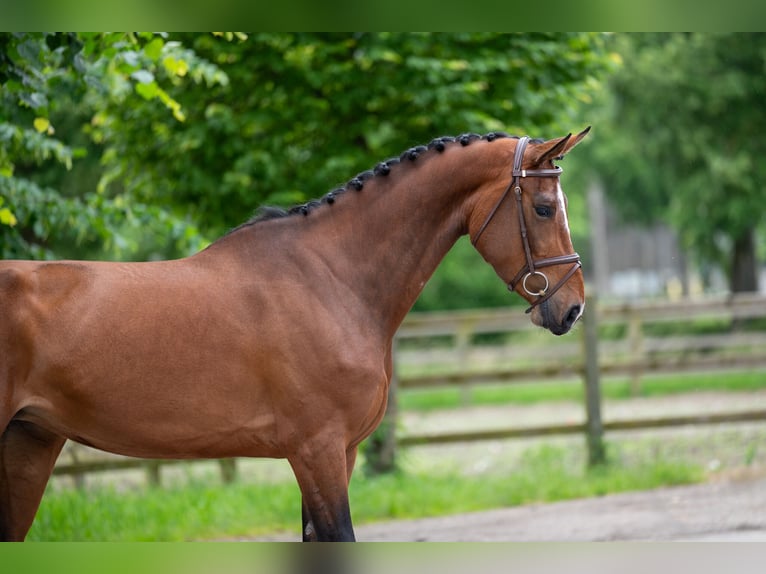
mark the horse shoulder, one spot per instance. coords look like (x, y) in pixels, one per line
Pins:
(14, 278)
(34, 296)
(16, 326)
(17, 286)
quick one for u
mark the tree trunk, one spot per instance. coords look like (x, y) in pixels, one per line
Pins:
(744, 264)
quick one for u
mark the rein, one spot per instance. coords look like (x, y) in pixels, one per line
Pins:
(531, 268)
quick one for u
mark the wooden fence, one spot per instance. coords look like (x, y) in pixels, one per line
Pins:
(466, 348)
(632, 342)
(628, 339)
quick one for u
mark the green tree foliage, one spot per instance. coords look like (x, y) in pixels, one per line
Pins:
(51, 85)
(184, 135)
(304, 112)
(684, 142)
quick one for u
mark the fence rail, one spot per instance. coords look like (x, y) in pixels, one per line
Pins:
(634, 341)
(581, 428)
(635, 353)
(71, 463)
(644, 341)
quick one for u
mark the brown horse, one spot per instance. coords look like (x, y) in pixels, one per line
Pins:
(275, 341)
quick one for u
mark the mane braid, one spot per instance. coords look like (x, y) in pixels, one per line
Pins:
(382, 169)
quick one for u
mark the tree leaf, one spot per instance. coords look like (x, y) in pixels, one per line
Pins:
(175, 66)
(35, 100)
(7, 217)
(42, 125)
(153, 49)
(148, 91)
(143, 76)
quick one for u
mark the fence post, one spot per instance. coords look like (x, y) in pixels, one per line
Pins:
(462, 346)
(636, 342)
(594, 427)
(78, 477)
(228, 468)
(153, 474)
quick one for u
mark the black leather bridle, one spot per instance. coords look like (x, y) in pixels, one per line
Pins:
(532, 267)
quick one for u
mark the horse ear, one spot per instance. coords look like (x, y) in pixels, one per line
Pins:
(557, 148)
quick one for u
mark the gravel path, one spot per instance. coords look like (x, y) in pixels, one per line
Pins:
(728, 511)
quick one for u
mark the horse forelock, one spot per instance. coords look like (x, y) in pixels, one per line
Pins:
(381, 170)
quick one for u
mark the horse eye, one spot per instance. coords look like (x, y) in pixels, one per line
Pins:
(543, 210)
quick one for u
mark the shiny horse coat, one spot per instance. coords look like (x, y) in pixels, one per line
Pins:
(275, 341)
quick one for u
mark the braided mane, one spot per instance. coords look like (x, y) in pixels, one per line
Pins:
(382, 169)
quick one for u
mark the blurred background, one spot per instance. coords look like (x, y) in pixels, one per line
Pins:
(148, 146)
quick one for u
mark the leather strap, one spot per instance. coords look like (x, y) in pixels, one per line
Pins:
(531, 267)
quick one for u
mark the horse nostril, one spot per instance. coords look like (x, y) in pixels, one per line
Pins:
(572, 316)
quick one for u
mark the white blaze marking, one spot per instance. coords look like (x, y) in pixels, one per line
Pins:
(562, 206)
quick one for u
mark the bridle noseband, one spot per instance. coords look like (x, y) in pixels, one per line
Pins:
(532, 267)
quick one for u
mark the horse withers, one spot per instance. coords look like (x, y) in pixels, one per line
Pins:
(275, 341)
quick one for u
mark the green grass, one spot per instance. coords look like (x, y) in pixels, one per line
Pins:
(199, 511)
(612, 388)
(183, 512)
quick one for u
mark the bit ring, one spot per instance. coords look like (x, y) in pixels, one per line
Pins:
(542, 291)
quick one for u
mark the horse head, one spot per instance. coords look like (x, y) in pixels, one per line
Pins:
(521, 229)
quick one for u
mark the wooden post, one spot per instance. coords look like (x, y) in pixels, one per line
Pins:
(593, 426)
(78, 477)
(462, 345)
(636, 342)
(153, 474)
(228, 469)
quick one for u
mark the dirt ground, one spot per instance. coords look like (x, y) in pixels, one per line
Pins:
(724, 511)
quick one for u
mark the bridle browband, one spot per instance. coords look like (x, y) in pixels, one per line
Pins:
(532, 267)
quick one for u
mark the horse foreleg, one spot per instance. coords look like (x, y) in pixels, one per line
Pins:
(27, 455)
(308, 531)
(322, 474)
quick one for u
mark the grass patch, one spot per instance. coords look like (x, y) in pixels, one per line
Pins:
(678, 384)
(183, 512)
(545, 474)
(199, 511)
(572, 390)
(521, 394)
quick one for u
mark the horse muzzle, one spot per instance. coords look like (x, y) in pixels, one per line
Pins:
(545, 315)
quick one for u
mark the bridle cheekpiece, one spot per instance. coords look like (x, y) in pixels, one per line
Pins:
(531, 268)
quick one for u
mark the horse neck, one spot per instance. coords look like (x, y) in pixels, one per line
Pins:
(386, 240)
